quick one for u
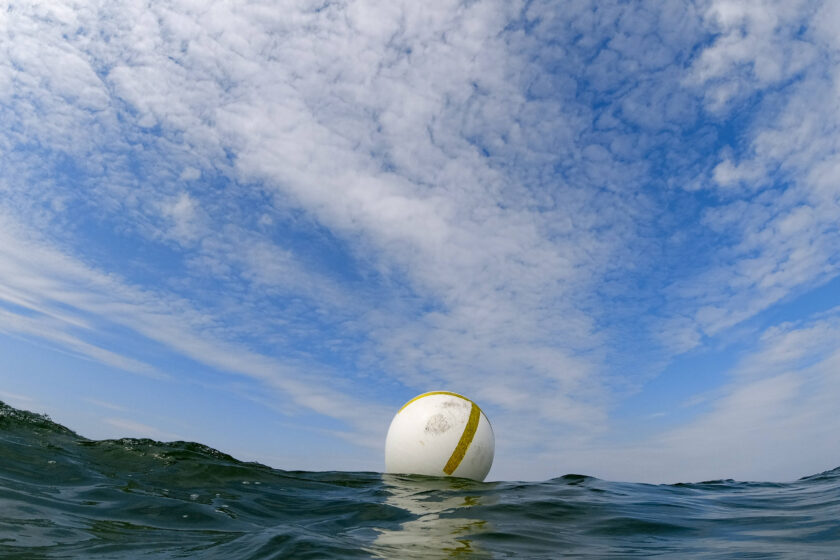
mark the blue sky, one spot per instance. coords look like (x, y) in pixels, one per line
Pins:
(264, 226)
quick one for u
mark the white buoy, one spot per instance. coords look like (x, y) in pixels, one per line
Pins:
(440, 434)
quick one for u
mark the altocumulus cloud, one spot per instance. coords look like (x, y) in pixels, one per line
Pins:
(346, 203)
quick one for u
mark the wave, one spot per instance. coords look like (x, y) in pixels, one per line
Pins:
(65, 496)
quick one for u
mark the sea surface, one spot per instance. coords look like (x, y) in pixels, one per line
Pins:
(64, 496)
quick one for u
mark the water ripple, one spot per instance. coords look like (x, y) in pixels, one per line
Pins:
(63, 496)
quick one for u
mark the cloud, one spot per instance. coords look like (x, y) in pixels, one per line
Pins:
(20, 401)
(58, 299)
(391, 158)
(105, 404)
(774, 219)
(757, 45)
(536, 207)
(775, 419)
(140, 430)
(778, 420)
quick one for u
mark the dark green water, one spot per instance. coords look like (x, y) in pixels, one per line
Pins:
(63, 496)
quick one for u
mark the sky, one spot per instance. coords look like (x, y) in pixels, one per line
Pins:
(264, 226)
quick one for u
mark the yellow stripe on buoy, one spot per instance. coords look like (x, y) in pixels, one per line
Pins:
(465, 441)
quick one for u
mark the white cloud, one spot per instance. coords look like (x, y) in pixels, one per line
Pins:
(479, 196)
(756, 46)
(775, 224)
(90, 302)
(184, 213)
(374, 147)
(105, 404)
(136, 429)
(19, 401)
(775, 420)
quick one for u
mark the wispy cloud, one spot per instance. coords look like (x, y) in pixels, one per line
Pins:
(775, 206)
(775, 420)
(44, 280)
(344, 203)
(17, 400)
(136, 429)
(105, 404)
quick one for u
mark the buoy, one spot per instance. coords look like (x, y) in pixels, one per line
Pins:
(440, 434)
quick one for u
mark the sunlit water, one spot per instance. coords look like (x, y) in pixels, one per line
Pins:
(63, 496)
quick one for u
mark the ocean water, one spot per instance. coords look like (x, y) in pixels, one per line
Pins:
(64, 496)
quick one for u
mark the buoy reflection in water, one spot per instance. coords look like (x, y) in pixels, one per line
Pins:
(442, 527)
